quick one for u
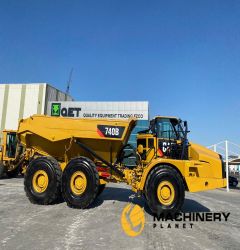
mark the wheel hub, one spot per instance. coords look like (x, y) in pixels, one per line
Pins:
(78, 183)
(165, 193)
(40, 181)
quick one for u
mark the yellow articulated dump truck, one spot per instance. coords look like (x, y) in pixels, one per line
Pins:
(11, 154)
(76, 158)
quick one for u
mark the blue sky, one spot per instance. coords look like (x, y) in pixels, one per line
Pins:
(181, 56)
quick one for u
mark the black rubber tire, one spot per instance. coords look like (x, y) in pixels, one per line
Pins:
(12, 174)
(157, 175)
(89, 169)
(21, 173)
(54, 172)
(2, 170)
(101, 188)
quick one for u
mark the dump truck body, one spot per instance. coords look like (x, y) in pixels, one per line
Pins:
(55, 136)
(90, 153)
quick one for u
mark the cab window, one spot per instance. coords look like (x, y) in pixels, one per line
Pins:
(165, 129)
(11, 145)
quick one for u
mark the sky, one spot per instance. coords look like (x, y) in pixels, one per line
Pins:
(181, 56)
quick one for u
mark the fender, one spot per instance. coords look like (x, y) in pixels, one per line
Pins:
(181, 166)
(195, 174)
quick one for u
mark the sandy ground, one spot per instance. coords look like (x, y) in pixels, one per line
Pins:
(28, 226)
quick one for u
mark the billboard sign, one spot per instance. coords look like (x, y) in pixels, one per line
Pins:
(106, 110)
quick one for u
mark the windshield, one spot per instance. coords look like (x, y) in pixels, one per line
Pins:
(169, 128)
(11, 145)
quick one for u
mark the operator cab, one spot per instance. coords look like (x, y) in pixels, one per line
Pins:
(10, 142)
(166, 137)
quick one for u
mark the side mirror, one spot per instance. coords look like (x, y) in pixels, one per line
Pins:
(140, 149)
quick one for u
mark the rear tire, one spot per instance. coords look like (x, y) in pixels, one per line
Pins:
(80, 183)
(2, 170)
(164, 190)
(42, 180)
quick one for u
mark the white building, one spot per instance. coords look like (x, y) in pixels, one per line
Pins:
(19, 101)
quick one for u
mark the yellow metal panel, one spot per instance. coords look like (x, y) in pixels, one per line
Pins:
(54, 136)
(208, 161)
(197, 175)
(202, 184)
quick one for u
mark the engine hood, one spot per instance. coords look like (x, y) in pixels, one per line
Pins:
(201, 153)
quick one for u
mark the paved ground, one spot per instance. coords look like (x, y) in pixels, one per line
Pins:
(27, 226)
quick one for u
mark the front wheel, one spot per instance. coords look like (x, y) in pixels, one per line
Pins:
(164, 190)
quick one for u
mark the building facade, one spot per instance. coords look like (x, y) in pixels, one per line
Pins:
(19, 101)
